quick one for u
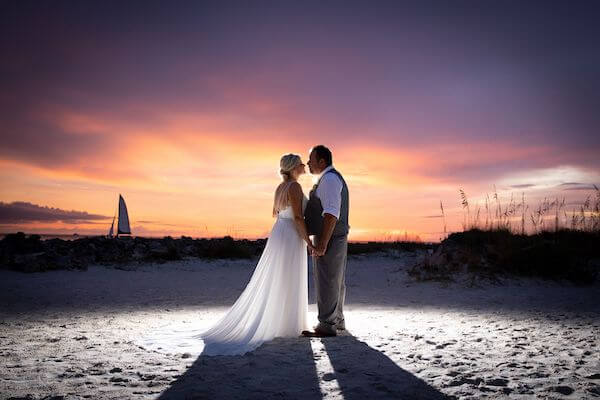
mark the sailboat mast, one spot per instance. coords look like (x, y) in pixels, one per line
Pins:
(112, 226)
(118, 210)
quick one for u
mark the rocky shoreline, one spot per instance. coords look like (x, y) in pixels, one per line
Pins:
(472, 255)
(28, 253)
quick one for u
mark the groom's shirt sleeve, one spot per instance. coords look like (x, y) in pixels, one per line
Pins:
(330, 194)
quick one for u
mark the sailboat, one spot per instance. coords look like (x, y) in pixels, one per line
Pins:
(123, 221)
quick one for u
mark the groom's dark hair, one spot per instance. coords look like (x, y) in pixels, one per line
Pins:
(323, 153)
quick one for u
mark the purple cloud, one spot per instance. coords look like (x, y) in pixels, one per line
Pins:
(390, 73)
(24, 212)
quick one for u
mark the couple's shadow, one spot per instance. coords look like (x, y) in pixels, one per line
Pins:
(286, 368)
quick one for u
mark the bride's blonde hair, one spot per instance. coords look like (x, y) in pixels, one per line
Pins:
(287, 163)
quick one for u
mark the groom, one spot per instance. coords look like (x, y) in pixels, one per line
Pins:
(326, 217)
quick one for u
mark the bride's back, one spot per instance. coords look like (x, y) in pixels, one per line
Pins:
(282, 199)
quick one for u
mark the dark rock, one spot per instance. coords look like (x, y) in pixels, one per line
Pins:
(33, 262)
(163, 250)
(19, 243)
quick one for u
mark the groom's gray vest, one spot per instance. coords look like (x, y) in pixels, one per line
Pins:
(314, 210)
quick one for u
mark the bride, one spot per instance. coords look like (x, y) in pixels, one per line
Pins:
(275, 301)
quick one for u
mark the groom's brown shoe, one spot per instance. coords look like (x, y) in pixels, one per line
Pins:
(317, 333)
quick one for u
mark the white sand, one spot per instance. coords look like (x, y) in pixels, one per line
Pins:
(78, 335)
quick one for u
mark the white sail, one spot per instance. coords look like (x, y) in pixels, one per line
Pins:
(112, 230)
(123, 225)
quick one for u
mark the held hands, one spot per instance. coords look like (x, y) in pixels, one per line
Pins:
(316, 251)
(320, 251)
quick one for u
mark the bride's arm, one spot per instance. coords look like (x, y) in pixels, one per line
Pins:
(275, 201)
(295, 197)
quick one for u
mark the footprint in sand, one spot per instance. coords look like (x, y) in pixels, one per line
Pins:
(118, 379)
(463, 380)
(595, 390)
(497, 382)
(566, 390)
(146, 377)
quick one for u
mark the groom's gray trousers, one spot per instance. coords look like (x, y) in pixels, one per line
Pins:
(329, 273)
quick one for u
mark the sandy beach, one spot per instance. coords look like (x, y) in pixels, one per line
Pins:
(97, 334)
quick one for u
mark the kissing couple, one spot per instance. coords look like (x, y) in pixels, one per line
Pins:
(275, 301)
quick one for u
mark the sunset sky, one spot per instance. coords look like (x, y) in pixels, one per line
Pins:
(186, 107)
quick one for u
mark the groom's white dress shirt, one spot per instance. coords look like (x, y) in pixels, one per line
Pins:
(329, 192)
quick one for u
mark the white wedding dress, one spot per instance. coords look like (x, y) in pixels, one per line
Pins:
(275, 301)
(273, 304)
